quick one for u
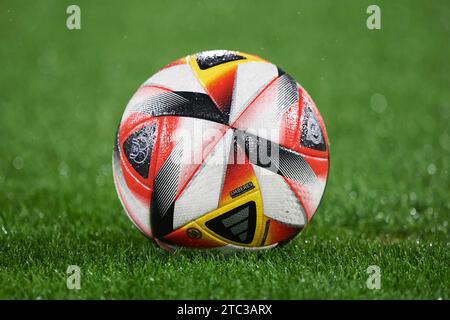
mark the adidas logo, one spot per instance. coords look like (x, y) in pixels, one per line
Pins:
(237, 225)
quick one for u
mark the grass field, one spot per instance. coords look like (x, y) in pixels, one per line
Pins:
(384, 95)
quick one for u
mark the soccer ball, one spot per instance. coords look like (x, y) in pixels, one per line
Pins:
(220, 149)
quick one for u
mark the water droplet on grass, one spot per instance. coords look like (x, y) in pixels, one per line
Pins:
(17, 163)
(431, 169)
(63, 169)
(378, 102)
(379, 216)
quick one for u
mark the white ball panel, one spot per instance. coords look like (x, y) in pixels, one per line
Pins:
(203, 191)
(279, 201)
(251, 78)
(178, 78)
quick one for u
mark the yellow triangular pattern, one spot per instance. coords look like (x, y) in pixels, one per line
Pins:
(211, 74)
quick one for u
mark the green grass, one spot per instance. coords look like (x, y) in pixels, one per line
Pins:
(387, 200)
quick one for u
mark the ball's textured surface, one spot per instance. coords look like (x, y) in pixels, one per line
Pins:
(220, 149)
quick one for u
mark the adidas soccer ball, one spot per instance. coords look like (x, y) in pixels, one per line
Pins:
(220, 149)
